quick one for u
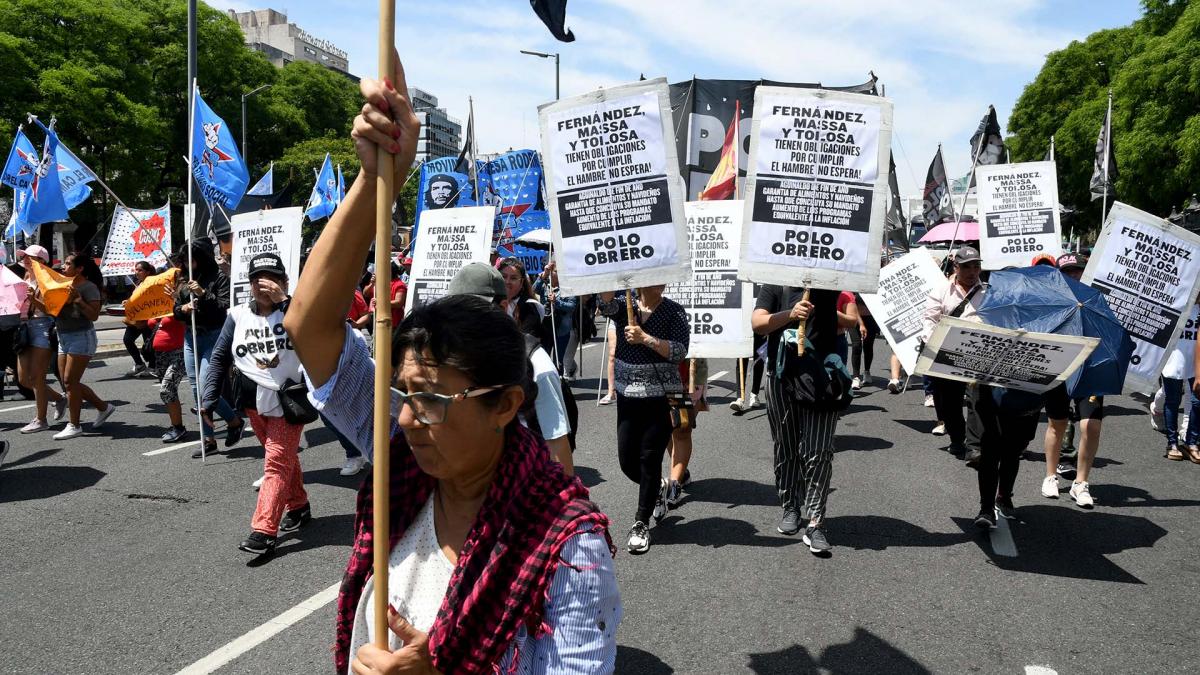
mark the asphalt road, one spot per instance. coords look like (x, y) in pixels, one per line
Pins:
(116, 561)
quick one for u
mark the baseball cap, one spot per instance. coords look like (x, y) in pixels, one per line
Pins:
(35, 251)
(966, 254)
(1072, 260)
(478, 279)
(1043, 259)
(264, 263)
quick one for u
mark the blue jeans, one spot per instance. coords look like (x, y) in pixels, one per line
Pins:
(1173, 389)
(205, 341)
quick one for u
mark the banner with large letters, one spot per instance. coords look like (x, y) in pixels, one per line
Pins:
(1148, 270)
(136, 235)
(1018, 213)
(904, 286)
(151, 299)
(448, 240)
(816, 193)
(718, 305)
(273, 231)
(614, 191)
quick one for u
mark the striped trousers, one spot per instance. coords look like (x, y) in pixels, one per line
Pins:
(803, 451)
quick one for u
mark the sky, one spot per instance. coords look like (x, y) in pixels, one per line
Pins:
(942, 61)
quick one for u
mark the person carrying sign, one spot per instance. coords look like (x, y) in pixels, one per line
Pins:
(961, 299)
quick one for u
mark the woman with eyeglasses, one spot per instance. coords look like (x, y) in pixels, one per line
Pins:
(253, 340)
(475, 496)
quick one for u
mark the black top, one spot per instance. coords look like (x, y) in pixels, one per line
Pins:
(639, 371)
(822, 322)
(210, 308)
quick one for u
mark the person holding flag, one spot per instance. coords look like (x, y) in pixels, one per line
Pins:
(33, 361)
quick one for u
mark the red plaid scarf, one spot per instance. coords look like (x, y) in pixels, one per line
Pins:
(505, 567)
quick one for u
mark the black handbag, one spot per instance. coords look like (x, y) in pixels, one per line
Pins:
(22, 337)
(820, 384)
(297, 409)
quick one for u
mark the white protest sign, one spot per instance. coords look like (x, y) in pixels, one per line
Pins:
(269, 231)
(718, 305)
(969, 351)
(816, 190)
(904, 286)
(1148, 270)
(1018, 213)
(136, 235)
(614, 192)
(448, 240)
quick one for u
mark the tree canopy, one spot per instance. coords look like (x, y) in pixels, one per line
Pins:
(1153, 68)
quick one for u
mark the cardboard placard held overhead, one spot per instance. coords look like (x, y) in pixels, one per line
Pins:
(718, 305)
(1148, 270)
(905, 285)
(969, 351)
(1018, 213)
(816, 189)
(613, 188)
(448, 240)
(268, 231)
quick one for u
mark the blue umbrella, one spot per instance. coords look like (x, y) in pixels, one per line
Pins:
(1044, 300)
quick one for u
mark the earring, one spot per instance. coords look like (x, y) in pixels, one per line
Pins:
(499, 429)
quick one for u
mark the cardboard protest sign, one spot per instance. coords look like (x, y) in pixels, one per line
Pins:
(136, 235)
(13, 292)
(718, 305)
(614, 192)
(816, 192)
(1148, 271)
(448, 240)
(969, 351)
(151, 299)
(54, 287)
(1018, 213)
(270, 231)
(904, 286)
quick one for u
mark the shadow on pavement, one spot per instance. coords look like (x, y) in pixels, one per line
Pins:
(1107, 495)
(878, 533)
(860, 407)
(333, 476)
(1098, 463)
(865, 653)
(920, 426)
(42, 482)
(715, 533)
(33, 457)
(732, 491)
(860, 443)
(638, 662)
(590, 477)
(322, 531)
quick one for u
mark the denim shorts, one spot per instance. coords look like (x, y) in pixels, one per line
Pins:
(78, 343)
(39, 331)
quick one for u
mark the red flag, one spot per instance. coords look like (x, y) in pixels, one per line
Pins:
(723, 183)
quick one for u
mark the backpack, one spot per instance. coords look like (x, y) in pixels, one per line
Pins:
(529, 410)
(817, 384)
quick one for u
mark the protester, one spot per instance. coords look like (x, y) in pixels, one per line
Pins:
(136, 329)
(757, 364)
(253, 341)
(802, 435)
(694, 373)
(169, 368)
(848, 321)
(561, 311)
(522, 305)
(205, 293)
(895, 370)
(33, 361)
(1180, 368)
(960, 299)
(610, 396)
(646, 374)
(1004, 422)
(862, 344)
(76, 328)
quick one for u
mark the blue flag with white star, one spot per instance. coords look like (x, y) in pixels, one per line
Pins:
(45, 203)
(323, 200)
(22, 163)
(217, 165)
(516, 178)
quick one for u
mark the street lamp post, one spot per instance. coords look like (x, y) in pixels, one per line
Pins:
(544, 55)
(245, 150)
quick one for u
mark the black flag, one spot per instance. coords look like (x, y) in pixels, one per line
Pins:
(937, 205)
(987, 144)
(1103, 181)
(896, 232)
(553, 13)
(465, 163)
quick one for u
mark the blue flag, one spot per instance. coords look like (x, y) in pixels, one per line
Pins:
(341, 186)
(22, 164)
(444, 185)
(265, 185)
(516, 178)
(17, 222)
(46, 203)
(323, 201)
(74, 176)
(216, 163)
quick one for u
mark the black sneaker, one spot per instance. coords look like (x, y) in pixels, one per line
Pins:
(210, 448)
(1065, 470)
(1005, 508)
(687, 478)
(295, 519)
(972, 458)
(814, 538)
(258, 544)
(789, 524)
(986, 520)
(174, 435)
(957, 449)
(234, 434)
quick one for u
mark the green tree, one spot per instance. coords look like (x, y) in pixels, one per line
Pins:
(1153, 68)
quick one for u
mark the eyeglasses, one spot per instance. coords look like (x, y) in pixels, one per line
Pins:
(430, 408)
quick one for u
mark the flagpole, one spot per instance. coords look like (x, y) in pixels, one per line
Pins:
(966, 192)
(384, 184)
(188, 227)
(474, 171)
(1107, 146)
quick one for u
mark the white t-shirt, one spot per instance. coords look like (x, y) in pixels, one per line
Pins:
(1181, 363)
(549, 404)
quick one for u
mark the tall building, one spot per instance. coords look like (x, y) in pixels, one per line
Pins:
(441, 134)
(269, 32)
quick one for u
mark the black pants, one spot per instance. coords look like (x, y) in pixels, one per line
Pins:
(948, 402)
(759, 364)
(862, 350)
(132, 333)
(1003, 437)
(643, 431)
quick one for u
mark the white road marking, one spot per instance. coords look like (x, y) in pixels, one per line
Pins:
(261, 634)
(1002, 540)
(170, 448)
(718, 376)
(20, 407)
(1040, 670)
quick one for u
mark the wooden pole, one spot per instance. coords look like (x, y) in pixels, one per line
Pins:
(742, 379)
(800, 334)
(384, 182)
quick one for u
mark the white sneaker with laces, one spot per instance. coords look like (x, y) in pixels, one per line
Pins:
(68, 432)
(755, 404)
(35, 426)
(894, 386)
(1081, 495)
(856, 384)
(928, 400)
(737, 405)
(353, 466)
(940, 429)
(1050, 487)
(639, 538)
(258, 483)
(60, 411)
(103, 416)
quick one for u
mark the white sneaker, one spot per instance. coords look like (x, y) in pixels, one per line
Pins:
(737, 405)
(856, 384)
(755, 404)
(353, 466)
(940, 429)
(894, 386)
(35, 426)
(1050, 487)
(258, 483)
(608, 399)
(136, 371)
(68, 432)
(1081, 495)
(639, 538)
(928, 400)
(660, 506)
(103, 415)
(60, 411)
